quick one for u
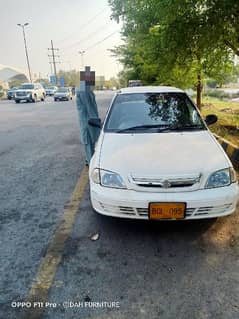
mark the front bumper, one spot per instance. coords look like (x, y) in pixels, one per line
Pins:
(61, 98)
(28, 99)
(23, 97)
(205, 203)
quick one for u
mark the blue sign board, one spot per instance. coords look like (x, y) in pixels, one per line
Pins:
(61, 81)
(53, 79)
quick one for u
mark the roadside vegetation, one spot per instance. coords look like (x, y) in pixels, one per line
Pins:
(177, 42)
(1, 92)
(187, 44)
(228, 117)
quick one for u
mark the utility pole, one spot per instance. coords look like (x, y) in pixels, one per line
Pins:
(25, 44)
(82, 58)
(51, 67)
(53, 56)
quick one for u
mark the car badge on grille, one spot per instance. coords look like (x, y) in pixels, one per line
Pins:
(166, 184)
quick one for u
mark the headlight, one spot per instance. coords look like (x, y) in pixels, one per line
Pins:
(107, 178)
(111, 179)
(95, 176)
(221, 178)
(233, 175)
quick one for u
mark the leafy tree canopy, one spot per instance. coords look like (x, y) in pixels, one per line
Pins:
(177, 42)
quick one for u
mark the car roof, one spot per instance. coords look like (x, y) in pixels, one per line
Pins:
(149, 89)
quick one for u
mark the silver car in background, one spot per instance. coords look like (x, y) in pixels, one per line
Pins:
(11, 93)
(63, 94)
(51, 90)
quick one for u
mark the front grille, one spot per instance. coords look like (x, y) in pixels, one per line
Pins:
(171, 185)
(143, 212)
(118, 209)
(21, 93)
(164, 182)
(208, 210)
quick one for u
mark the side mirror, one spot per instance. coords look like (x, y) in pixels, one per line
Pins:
(95, 122)
(211, 119)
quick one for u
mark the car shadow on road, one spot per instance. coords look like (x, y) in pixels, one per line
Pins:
(191, 227)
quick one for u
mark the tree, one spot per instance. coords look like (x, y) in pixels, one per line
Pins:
(223, 16)
(44, 82)
(176, 42)
(113, 83)
(14, 83)
(72, 78)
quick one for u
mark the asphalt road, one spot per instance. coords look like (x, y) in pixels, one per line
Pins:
(151, 270)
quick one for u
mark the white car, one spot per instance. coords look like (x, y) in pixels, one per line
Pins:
(156, 159)
(51, 90)
(30, 92)
(63, 94)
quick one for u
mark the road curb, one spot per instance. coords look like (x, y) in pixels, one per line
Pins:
(232, 150)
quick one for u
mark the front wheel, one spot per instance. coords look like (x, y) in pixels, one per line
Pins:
(43, 97)
(34, 99)
(17, 101)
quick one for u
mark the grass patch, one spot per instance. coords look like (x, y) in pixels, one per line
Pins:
(227, 113)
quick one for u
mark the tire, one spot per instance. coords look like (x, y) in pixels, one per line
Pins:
(55, 99)
(17, 101)
(43, 97)
(34, 99)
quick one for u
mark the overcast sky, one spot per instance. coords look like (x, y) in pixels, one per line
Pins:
(73, 25)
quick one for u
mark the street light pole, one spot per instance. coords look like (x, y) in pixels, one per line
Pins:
(82, 58)
(25, 43)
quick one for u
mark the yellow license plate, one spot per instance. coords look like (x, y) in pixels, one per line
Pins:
(167, 210)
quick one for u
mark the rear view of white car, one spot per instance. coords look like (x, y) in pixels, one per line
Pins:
(156, 159)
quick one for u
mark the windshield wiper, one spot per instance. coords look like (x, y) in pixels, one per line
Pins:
(163, 127)
(182, 128)
(140, 127)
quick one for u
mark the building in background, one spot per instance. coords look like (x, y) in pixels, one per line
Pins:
(9, 74)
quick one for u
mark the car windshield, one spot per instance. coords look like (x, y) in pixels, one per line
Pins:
(153, 112)
(62, 90)
(27, 86)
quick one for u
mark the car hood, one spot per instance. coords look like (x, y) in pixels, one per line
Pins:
(25, 90)
(61, 93)
(173, 153)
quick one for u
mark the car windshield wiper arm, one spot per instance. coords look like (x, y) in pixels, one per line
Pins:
(182, 128)
(140, 127)
(163, 127)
